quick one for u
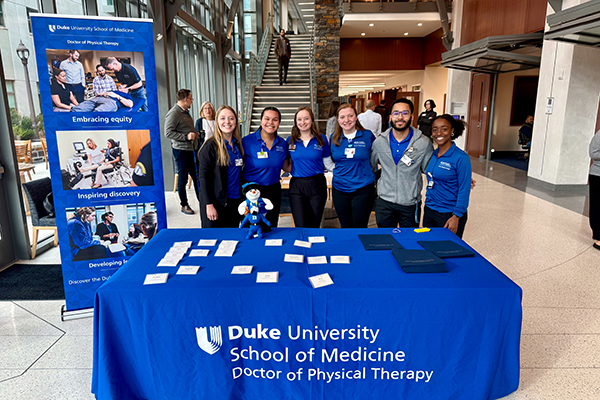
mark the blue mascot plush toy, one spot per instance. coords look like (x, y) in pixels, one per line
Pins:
(253, 208)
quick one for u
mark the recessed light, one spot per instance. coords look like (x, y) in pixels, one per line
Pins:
(363, 34)
(405, 33)
(371, 24)
(420, 24)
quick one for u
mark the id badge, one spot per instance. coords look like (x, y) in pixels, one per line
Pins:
(349, 152)
(406, 160)
(262, 154)
(292, 147)
(239, 162)
(430, 184)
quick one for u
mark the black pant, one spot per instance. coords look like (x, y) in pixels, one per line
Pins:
(595, 206)
(354, 209)
(78, 91)
(227, 215)
(273, 193)
(283, 63)
(185, 164)
(91, 253)
(307, 200)
(435, 219)
(391, 215)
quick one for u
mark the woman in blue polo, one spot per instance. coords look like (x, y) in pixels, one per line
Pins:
(264, 155)
(308, 151)
(448, 178)
(353, 178)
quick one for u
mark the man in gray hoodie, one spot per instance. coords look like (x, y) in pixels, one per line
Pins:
(402, 153)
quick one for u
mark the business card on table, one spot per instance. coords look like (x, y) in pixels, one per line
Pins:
(241, 269)
(182, 244)
(317, 260)
(295, 258)
(168, 262)
(267, 277)
(199, 253)
(155, 279)
(274, 242)
(188, 270)
(226, 248)
(340, 259)
(207, 242)
(176, 252)
(318, 281)
(302, 243)
(316, 239)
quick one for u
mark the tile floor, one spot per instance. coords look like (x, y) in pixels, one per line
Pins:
(539, 239)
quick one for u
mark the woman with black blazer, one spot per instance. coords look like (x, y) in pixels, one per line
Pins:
(220, 171)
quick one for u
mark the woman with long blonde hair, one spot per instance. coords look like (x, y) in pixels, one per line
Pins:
(220, 170)
(205, 125)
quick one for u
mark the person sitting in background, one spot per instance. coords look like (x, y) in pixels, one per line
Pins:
(105, 102)
(83, 245)
(526, 132)
(62, 97)
(149, 224)
(103, 83)
(135, 239)
(107, 230)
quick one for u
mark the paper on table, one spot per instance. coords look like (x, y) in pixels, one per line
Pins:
(274, 242)
(242, 269)
(302, 243)
(340, 259)
(226, 248)
(296, 258)
(267, 277)
(318, 281)
(207, 242)
(182, 244)
(154, 279)
(317, 260)
(199, 253)
(188, 270)
(316, 239)
(116, 247)
(168, 262)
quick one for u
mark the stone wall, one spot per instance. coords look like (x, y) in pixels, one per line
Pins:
(327, 24)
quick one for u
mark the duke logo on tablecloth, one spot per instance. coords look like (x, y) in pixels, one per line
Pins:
(216, 339)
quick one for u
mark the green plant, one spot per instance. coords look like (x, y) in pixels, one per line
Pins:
(40, 122)
(15, 117)
(27, 132)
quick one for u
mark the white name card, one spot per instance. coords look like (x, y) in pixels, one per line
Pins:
(295, 258)
(207, 242)
(318, 281)
(242, 269)
(267, 277)
(274, 242)
(302, 243)
(316, 239)
(317, 260)
(188, 270)
(155, 279)
(340, 259)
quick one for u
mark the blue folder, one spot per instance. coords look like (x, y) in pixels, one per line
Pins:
(419, 261)
(446, 248)
(379, 242)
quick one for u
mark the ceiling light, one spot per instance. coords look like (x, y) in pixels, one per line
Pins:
(363, 34)
(420, 24)
(405, 33)
(371, 24)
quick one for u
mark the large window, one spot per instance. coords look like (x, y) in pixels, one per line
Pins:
(29, 12)
(70, 7)
(10, 93)
(1, 13)
(250, 28)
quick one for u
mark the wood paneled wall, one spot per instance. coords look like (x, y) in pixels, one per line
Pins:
(483, 18)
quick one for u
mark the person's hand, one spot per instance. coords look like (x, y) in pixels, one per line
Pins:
(191, 135)
(430, 117)
(211, 212)
(473, 182)
(452, 224)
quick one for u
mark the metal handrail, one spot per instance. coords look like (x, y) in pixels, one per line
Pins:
(257, 69)
(313, 74)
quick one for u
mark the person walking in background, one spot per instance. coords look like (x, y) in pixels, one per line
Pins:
(103, 83)
(220, 165)
(129, 80)
(594, 179)
(283, 51)
(264, 155)
(106, 229)
(448, 178)
(426, 117)
(403, 154)
(179, 127)
(310, 154)
(332, 118)
(370, 119)
(205, 125)
(353, 179)
(75, 75)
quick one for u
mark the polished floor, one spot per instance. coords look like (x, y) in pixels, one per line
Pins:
(540, 239)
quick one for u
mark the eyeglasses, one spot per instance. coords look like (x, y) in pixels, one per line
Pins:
(405, 114)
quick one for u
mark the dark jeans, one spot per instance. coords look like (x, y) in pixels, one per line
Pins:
(78, 91)
(283, 63)
(227, 216)
(435, 219)
(185, 164)
(140, 93)
(92, 253)
(391, 215)
(595, 206)
(307, 200)
(353, 209)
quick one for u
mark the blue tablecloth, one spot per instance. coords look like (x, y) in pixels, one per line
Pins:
(377, 333)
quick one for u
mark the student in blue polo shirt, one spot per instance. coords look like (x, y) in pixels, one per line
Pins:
(264, 155)
(448, 178)
(309, 153)
(353, 178)
(220, 165)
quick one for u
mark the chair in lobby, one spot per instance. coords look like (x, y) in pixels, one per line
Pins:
(23, 151)
(36, 192)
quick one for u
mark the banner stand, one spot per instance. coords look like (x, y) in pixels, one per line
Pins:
(75, 314)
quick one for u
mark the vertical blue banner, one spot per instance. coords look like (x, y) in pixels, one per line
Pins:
(97, 79)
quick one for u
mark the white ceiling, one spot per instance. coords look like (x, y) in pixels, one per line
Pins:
(389, 25)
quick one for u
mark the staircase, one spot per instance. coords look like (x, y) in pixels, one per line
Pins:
(291, 95)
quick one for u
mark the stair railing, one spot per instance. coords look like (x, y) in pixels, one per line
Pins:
(313, 74)
(256, 69)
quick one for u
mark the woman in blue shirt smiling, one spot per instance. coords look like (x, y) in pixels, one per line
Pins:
(265, 153)
(309, 152)
(353, 178)
(448, 178)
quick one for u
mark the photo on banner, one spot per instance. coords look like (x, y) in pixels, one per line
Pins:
(98, 93)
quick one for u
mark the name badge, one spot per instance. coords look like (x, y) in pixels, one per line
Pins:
(239, 162)
(292, 147)
(430, 184)
(349, 152)
(406, 160)
(262, 154)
